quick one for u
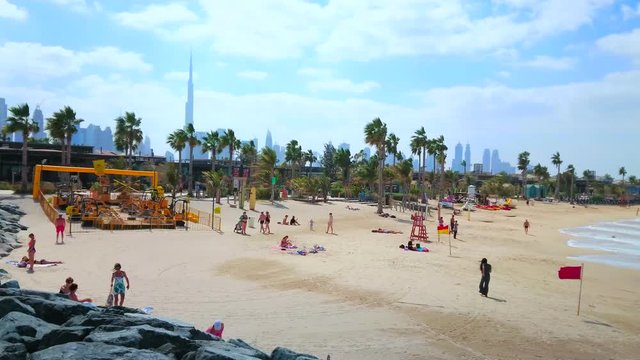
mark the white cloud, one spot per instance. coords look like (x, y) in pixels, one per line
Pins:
(315, 72)
(629, 13)
(79, 6)
(549, 63)
(363, 30)
(21, 60)
(541, 120)
(11, 11)
(343, 85)
(253, 75)
(154, 16)
(626, 44)
(504, 74)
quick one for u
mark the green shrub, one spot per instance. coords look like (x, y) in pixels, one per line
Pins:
(265, 194)
(6, 186)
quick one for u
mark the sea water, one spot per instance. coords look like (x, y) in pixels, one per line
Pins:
(617, 242)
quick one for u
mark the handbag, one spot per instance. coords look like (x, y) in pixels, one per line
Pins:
(110, 299)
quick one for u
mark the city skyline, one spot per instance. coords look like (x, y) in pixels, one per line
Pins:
(547, 76)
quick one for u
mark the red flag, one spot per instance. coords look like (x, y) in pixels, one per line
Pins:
(570, 272)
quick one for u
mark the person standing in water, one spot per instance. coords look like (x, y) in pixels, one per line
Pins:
(118, 278)
(485, 269)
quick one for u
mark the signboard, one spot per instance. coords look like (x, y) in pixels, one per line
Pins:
(273, 180)
(99, 166)
(236, 171)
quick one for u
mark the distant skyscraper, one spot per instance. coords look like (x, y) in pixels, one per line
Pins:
(367, 152)
(169, 156)
(486, 161)
(343, 146)
(429, 163)
(188, 106)
(268, 142)
(38, 118)
(456, 163)
(3, 112)
(467, 157)
(495, 162)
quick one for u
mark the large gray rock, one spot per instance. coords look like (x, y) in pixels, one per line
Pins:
(16, 327)
(55, 311)
(223, 351)
(9, 304)
(256, 353)
(12, 209)
(95, 351)
(11, 284)
(64, 335)
(12, 351)
(281, 353)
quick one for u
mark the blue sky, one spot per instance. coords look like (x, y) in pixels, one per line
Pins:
(535, 75)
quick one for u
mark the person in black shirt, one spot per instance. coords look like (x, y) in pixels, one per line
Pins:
(485, 269)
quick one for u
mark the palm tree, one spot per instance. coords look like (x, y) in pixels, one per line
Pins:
(375, 135)
(212, 181)
(523, 163)
(367, 171)
(622, 171)
(229, 140)
(392, 146)
(437, 148)
(248, 156)
(405, 172)
(432, 149)
(267, 164)
(55, 127)
(555, 160)
(633, 180)
(572, 171)
(587, 176)
(463, 163)
(19, 122)
(344, 161)
(177, 140)
(441, 156)
(418, 145)
(293, 154)
(128, 134)
(192, 141)
(211, 142)
(71, 126)
(309, 157)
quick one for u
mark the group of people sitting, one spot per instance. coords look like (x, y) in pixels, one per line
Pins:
(286, 221)
(69, 288)
(349, 207)
(412, 247)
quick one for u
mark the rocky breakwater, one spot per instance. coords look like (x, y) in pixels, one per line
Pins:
(10, 215)
(45, 326)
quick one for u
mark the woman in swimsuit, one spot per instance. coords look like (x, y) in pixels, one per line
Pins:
(117, 284)
(261, 220)
(267, 220)
(31, 251)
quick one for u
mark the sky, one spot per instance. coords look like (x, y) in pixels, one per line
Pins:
(513, 75)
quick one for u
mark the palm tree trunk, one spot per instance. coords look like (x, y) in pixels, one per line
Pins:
(190, 170)
(571, 190)
(557, 183)
(180, 170)
(524, 183)
(380, 181)
(213, 160)
(69, 149)
(23, 173)
(63, 152)
(230, 161)
(273, 188)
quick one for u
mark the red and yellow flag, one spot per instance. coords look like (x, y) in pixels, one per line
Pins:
(443, 229)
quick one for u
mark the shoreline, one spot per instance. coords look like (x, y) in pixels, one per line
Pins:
(363, 289)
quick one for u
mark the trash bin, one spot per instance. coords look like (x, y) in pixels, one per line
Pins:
(251, 219)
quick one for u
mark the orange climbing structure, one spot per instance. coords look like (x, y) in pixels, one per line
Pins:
(418, 231)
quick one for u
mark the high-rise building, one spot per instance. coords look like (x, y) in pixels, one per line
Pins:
(495, 161)
(188, 106)
(429, 163)
(3, 112)
(268, 142)
(367, 152)
(467, 157)
(486, 160)
(456, 163)
(343, 146)
(38, 118)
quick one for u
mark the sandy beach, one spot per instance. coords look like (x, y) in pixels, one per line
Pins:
(364, 298)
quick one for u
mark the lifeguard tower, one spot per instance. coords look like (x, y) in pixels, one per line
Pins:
(418, 231)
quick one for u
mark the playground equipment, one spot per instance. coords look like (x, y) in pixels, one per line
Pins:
(418, 231)
(153, 175)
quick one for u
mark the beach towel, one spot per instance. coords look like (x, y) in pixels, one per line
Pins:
(423, 250)
(17, 264)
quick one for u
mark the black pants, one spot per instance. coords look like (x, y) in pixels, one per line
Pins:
(455, 233)
(484, 284)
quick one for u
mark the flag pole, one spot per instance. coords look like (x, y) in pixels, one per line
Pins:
(449, 244)
(580, 293)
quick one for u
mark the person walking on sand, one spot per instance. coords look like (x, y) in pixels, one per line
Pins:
(31, 251)
(330, 223)
(117, 284)
(267, 221)
(454, 229)
(526, 226)
(485, 269)
(243, 220)
(261, 221)
(451, 222)
(60, 224)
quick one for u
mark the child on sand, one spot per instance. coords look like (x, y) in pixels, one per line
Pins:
(73, 296)
(267, 220)
(526, 226)
(216, 329)
(64, 289)
(330, 223)
(117, 284)
(60, 223)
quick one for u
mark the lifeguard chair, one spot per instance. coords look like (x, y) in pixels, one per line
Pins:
(418, 231)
